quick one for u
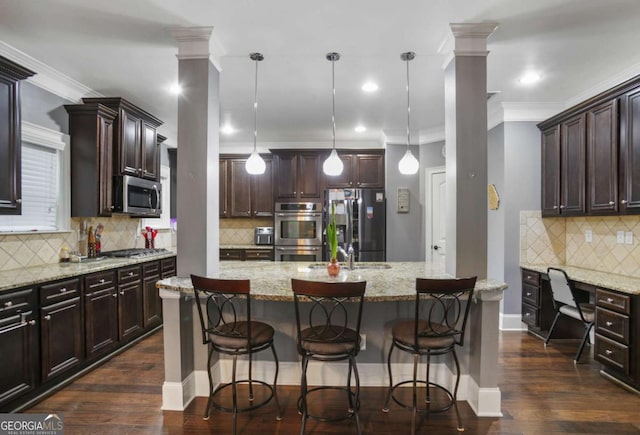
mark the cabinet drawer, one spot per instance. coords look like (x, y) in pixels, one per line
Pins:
(128, 274)
(151, 269)
(612, 353)
(531, 294)
(529, 315)
(60, 291)
(612, 325)
(531, 277)
(168, 267)
(16, 302)
(613, 301)
(99, 281)
(258, 254)
(231, 254)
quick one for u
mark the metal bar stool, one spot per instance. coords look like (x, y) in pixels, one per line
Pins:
(441, 311)
(328, 334)
(566, 301)
(228, 332)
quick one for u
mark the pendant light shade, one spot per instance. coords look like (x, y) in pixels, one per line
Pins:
(255, 164)
(408, 164)
(333, 166)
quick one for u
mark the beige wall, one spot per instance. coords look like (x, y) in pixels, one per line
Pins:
(240, 231)
(562, 241)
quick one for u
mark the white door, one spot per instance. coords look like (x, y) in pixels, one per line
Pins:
(436, 242)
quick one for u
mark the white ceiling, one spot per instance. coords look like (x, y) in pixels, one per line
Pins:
(125, 48)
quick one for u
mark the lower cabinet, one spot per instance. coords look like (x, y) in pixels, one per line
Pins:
(246, 254)
(18, 344)
(152, 310)
(537, 304)
(101, 313)
(129, 299)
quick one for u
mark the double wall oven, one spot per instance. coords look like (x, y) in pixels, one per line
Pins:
(298, 231)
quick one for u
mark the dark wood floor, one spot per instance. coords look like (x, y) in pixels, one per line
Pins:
(543, 392)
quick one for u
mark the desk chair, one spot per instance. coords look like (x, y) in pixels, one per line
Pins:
(441, 312)
(229, 333)
(328, 333)
(564, 302)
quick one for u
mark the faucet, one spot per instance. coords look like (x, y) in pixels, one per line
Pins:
(348, 255)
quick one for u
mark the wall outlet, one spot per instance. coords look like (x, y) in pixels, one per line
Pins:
(363, 341)
(628, 238)
(620, 237)
(588, 236)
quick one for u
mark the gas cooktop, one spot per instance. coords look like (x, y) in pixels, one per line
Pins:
(135, 253)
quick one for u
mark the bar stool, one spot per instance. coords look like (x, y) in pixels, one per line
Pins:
(328, 334)
(227, 333)
(441, 311)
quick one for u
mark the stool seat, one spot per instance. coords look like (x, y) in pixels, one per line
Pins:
(234, 335)
(329, 340)
(403, 332)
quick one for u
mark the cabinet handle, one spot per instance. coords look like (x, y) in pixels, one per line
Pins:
(609, 323)
(115, 295)
(527, 314)
(528, 294)
(294, 192)
(130, 273)
(31, 322)
(47, 317)
(610, 300)
(63, 290)
(19, 201)
(121, 292)
(624, 201)
(555, 207)
(249, 212)
(561, 206)
(608, 352)
(112, 207)
(8, 304)
(529, 277)
(101, 281)
(611, 202)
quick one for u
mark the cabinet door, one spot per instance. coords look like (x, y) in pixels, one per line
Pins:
(149, 152)
(369, 170)
(630, 152)
(167, 267)
(61, 337)
(129, 157)
(105, 176)
(10, 147)
(344, 180)
(239, 189)
(309, 175)
(223, 188)
(101, 321)
(602, 158)
(130, 322)
(152, 304)
(262, 192)
(285, 176)
(551, 171)
(18, 341)
(573, 166)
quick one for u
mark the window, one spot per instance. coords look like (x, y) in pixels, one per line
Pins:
(45, 204)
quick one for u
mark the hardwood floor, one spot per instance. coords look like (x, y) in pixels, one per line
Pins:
(542, 392)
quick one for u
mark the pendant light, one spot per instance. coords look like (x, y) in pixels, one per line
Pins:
(255, 164)
(408, 165)
(333, 165)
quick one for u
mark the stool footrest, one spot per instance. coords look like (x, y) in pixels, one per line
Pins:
(428, 409)
(255, 383)
(351, 412)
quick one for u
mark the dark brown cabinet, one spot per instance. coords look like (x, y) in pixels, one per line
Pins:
(152, 304)
(361, 171)
(246, 254)
(297, 175)
(222, 195)
(10, 135)
(19, 345)
(101, 313)
(130, 306)
(245, 195)
(61, 328)
(537, 304)
(91, 131)
(602, 158)
(167, 267)
(630, 152)
(135, 142)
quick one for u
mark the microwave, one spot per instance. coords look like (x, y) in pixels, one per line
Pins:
(136, 196)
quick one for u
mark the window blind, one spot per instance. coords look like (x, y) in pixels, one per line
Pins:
(40, 188)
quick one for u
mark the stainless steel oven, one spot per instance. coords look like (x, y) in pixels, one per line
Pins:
(311, 254)
(298, 224)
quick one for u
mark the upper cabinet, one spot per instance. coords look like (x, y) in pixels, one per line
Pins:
(135, 142)
(361, 171)
(591, 155)
(10, 135)
(243, 194)
(297, 175)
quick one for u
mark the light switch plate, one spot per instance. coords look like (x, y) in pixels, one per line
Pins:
(620, 237)
(628, 238)
(588, 236)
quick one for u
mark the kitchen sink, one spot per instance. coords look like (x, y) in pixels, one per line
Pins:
(356, 266)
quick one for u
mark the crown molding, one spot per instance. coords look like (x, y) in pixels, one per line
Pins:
(198, 42)
(611, 82)
(48, 78)
(35, 134)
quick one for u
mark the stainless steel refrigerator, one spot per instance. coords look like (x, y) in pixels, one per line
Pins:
(360, 220)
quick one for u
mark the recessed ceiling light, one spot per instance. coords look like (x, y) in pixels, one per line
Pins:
(227, 129)
(175, 89)
(360, 128)
(529, 78)
(370, 87)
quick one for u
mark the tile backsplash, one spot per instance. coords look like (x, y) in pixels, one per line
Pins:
(121, 232)
(563, 241)
(240, 231)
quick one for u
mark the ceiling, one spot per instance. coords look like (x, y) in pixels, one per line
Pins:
(125, 48)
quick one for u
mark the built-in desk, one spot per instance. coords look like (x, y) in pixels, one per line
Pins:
(617, 328)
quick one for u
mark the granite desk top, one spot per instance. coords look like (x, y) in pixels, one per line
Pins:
(621, 283)
(272, 281)
(26, 276)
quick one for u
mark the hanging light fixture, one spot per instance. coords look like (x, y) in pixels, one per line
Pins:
(408, 165)
(333, 165)
(255, 164)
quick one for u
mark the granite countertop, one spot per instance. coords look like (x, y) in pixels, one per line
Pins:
(621, 283)
(272, 281)
(10, 279)
(266, 247)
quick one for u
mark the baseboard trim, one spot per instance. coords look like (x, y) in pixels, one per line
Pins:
(176, 396)
(485, 402)
(512, 322)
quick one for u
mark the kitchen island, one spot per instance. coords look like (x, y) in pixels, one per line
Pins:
(389, 294)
